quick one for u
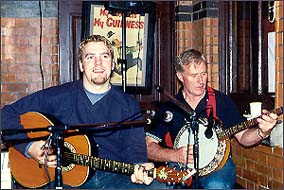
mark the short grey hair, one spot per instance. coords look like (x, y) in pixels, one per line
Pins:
(188, 56)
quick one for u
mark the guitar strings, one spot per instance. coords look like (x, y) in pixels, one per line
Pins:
(72, 156)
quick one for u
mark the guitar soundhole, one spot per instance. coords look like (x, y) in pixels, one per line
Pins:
(67, 165)
(65, 162)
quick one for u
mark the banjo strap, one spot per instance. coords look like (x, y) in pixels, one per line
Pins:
(168, 140)
(211, 103)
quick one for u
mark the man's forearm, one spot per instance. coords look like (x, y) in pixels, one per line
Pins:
(251, 137)
(160, 154)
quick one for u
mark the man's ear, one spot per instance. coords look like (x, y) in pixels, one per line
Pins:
(179, 76)
(81, 66)
(112, 66)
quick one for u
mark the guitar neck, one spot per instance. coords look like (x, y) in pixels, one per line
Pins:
(244, 125)
(103, 164)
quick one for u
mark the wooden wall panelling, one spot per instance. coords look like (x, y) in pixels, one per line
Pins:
(164, 55)
(70, 13)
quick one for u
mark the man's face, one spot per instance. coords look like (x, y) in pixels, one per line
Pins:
(194, 78)
(96, 63)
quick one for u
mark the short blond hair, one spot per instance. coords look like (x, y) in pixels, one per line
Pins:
(95, 38)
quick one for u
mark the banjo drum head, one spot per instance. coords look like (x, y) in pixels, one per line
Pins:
(211, 151)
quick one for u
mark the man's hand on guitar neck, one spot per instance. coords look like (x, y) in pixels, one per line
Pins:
(140, 174)
(42, 154)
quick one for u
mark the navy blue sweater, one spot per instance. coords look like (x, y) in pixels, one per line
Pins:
(70, 105)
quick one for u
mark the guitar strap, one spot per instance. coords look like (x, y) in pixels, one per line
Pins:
(211, 103)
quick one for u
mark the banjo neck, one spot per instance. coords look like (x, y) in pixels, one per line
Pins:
(225, 134)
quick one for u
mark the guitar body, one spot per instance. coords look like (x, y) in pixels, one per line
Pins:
(76, 160)
(28, 173)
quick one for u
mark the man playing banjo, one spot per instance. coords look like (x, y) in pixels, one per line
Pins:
(164, 140)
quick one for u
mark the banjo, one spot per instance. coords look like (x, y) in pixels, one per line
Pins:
(214, 151)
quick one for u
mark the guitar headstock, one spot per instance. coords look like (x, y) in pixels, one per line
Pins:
(169, 175)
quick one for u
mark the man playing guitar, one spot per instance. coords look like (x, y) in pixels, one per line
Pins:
(90, 100)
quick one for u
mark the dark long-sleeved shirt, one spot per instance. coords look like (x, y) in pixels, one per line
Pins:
(69, 104)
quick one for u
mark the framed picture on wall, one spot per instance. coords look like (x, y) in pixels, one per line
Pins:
(106, 18)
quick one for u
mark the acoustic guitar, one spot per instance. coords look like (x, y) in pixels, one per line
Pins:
(77, 160)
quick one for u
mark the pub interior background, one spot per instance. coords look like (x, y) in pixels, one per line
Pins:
(242, 40)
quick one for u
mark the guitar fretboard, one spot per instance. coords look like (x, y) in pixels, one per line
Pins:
(102, 164)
